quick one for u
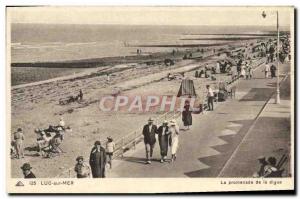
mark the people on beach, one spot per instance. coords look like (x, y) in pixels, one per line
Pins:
(110, 148)
(61, 123)
(149, 132)
(249, 72)
(163, 139)
(273, 71)
(174, 140)
(98, 160)
(81, 168)
(218, 71)
(187, 115)
(266, 70)
(80, 95)
(18, 138)
(26, 170)
(210, 98)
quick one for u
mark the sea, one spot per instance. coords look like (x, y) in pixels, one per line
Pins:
(66, 42)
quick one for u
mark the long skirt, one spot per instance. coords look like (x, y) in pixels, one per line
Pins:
(174, 145)
(163, 144)
(187, 118)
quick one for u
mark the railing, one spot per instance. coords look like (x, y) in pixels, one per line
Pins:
(131, 140)
(127, 142)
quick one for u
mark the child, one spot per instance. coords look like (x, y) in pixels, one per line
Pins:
(110, 147)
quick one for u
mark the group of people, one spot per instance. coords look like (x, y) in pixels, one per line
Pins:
(269, 69)
(168, 136)
(100, 157)
(245, 70)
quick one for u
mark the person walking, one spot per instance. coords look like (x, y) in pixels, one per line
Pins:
(98, 160)
(26, 169)
(163, 139)
(250, 71)
(187, 115)
(18, 141)
(81, 168)
(149, 132)
(273, 70)
(267, 70)
(110, 148)
(174, 141)
(243, 71)
(210, 98)
(218, 70)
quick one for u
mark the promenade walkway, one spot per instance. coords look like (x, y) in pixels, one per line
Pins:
(217, 138)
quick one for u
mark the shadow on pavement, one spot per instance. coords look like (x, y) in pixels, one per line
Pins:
(271, 130)
(217, 162)
(258, 94)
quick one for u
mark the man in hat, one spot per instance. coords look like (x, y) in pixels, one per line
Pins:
(270, 168)
(98, 160)
(81, 168)
(263, 163)
(18, 141)
(110, 148)
(210, 98)
(163, 139)
(149, 132)
(26, 168)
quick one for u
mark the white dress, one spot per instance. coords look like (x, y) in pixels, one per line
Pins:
(174, 132)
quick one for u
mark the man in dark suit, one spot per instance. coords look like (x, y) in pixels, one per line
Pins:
(163, 139)
(149, 132)
(26, 168)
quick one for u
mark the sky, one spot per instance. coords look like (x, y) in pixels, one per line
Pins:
(225, 16)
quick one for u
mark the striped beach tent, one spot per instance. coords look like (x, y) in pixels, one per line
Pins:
(187, 88)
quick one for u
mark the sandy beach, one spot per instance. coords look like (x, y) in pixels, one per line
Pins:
(36, 105)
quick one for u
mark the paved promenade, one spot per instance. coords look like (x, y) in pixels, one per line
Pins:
(222, 142)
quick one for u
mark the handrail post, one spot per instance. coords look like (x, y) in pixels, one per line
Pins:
(122, 154)
(134, 143)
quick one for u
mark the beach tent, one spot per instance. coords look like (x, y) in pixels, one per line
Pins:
(187, 88)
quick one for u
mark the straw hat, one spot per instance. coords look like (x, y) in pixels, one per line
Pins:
(150, 119)
(172, 122)
(165, 122)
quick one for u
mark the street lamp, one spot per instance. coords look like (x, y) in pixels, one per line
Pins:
(277, 99)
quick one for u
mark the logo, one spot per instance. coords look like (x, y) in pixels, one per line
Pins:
(19, 184)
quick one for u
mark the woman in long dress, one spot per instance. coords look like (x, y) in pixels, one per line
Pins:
(243, 72)
(174, 133)
(187, 115)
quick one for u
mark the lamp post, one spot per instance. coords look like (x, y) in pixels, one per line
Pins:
(277, 99)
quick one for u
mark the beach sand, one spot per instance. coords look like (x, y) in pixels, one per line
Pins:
(37, 107)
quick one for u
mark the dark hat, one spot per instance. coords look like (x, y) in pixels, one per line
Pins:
(19, 130)
(109, 138)
(26, 166)
(97, 142)
(79, 158)
(272, 160)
